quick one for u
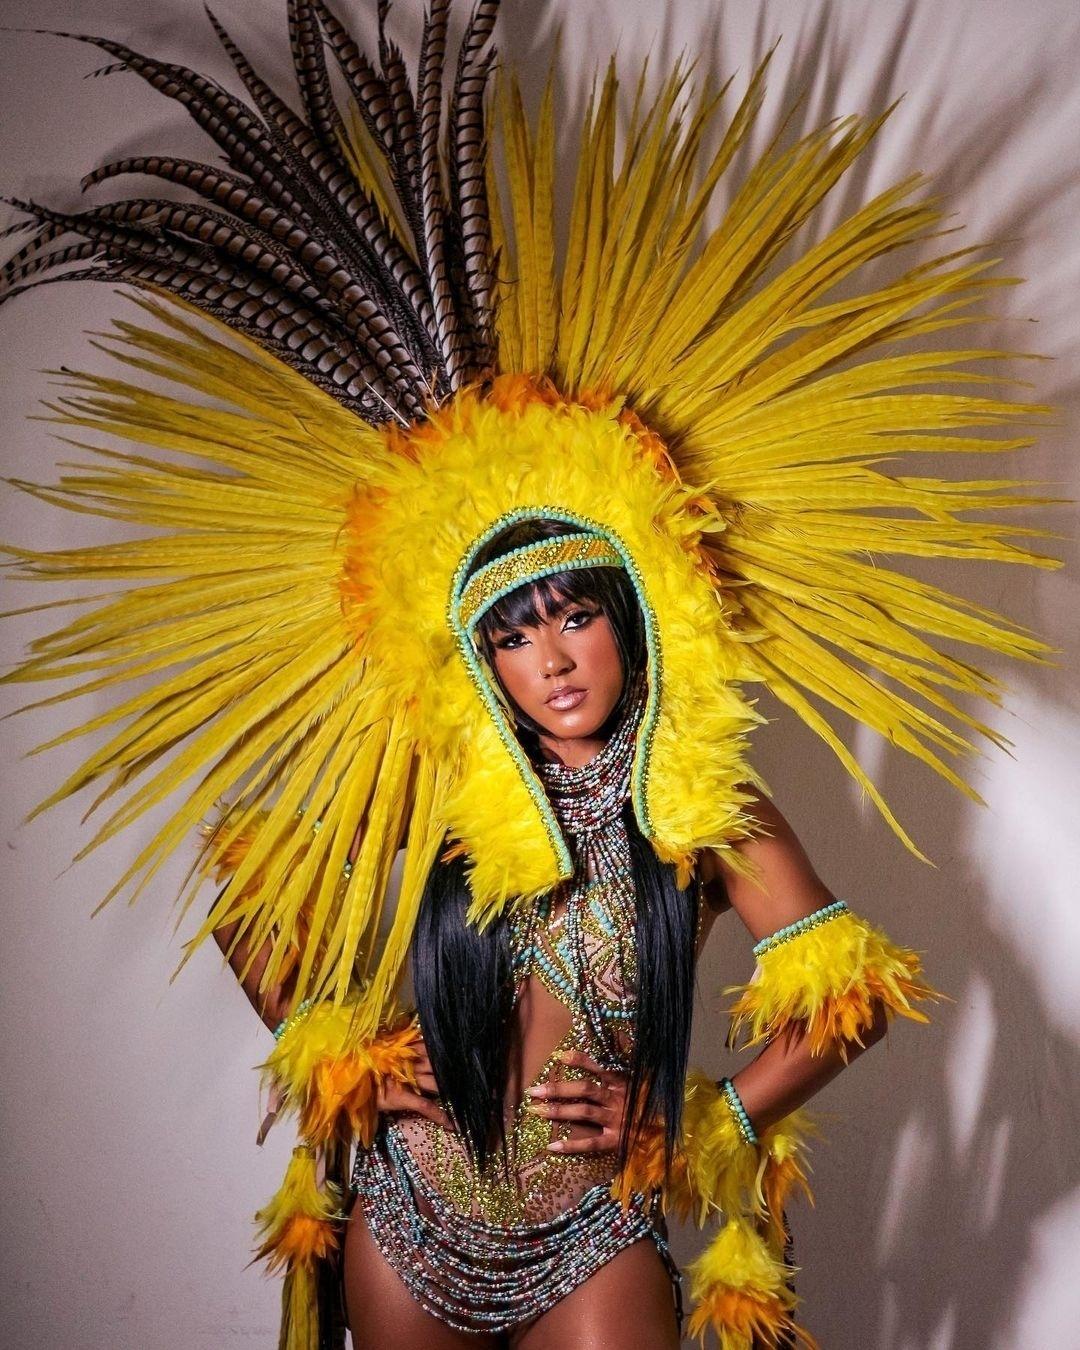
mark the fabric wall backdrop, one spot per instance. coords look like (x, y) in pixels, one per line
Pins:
(947, 1212)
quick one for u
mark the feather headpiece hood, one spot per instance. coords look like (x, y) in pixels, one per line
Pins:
(395, 364)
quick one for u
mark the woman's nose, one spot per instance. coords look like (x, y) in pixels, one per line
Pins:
(555, 659)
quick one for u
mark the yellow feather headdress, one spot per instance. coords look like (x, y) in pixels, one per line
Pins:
(363, 359)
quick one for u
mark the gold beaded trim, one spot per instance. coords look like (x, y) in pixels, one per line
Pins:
(528, 563)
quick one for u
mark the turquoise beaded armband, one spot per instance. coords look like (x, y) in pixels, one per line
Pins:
(297, 1016)
(735, 1106)
(804, 925)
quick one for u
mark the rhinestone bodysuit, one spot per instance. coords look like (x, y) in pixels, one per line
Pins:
(489, 1251)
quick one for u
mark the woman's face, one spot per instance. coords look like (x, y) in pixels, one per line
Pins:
(564, 672)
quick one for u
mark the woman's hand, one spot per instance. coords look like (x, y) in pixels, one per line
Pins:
(602, 1107)
(395, 1096)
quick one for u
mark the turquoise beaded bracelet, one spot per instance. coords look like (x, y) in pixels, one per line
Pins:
(298, 1015)
(346, 866)
(738, 1111)
(792, 930)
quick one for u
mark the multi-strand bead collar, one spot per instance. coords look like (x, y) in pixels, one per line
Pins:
(588, 802)
(589, 798)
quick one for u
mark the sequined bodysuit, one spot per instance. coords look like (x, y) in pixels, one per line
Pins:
(490, 1251)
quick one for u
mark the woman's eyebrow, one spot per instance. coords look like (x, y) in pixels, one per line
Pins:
(570, 604)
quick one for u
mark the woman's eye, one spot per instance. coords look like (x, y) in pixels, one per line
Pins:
(577, 618)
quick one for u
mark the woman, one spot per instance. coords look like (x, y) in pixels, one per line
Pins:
(552, 1028)
(568, 652)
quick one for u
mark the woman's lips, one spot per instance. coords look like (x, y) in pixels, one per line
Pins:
(569, 698)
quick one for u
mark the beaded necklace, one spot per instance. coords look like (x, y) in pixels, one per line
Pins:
(587, 802)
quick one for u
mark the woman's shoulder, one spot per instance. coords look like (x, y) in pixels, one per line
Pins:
(767, 877)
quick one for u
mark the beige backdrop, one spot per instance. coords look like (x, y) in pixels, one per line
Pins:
(947, 1212)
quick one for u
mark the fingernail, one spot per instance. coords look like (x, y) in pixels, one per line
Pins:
(556, 1146)
(537, 1092)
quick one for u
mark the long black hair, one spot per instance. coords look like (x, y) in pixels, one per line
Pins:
(463, 978)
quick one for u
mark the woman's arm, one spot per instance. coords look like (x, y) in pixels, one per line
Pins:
(271, 1005)
(785, 1074)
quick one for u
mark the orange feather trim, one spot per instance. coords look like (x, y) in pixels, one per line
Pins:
(780, 1178)
(644, 1171)
(331, 1078)
(832, 978)
(301, 1223)
(741, 1292)
(343, 1093)
(301, 1238)
(743, 1321)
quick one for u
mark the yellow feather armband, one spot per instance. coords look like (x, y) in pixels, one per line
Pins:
(741, 1283)
(302, 1223)
(830, 974)
(713, 1168)
(742, 1292)
(331, 1077)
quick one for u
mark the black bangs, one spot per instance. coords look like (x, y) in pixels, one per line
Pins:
(521, 608)
(608, 588)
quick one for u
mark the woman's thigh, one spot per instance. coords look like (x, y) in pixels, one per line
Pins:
(627, 1305)
(382, 1314)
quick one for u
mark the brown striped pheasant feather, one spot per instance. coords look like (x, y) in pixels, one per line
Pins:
(289, 244)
